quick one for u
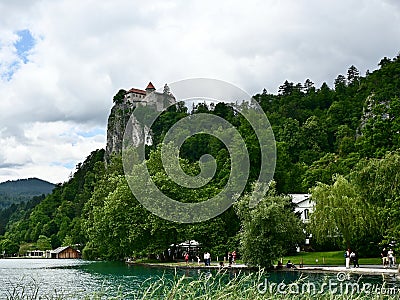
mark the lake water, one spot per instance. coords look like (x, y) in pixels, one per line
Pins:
(72, 278)
(78, 278)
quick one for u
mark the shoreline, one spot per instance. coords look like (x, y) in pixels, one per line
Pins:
(362, 270)
(193, 266)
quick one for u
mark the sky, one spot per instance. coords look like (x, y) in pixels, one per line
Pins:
(61, 62)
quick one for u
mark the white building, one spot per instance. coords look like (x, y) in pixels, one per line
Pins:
(304, 205)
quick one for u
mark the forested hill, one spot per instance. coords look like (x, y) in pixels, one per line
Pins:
(323, 131)
(320, 132)
(14, 192)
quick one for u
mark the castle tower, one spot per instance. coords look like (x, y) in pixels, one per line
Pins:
(150, 88)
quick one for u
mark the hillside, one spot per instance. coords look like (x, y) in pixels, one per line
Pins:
(16, 191)
(351, 129)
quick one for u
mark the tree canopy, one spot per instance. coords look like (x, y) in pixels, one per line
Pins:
(340, 142)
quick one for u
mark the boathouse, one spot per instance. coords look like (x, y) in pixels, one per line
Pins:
(65, 252)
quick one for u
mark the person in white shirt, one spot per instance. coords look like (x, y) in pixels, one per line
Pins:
(347, 257)
(391, 258)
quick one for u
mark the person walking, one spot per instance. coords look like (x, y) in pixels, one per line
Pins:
(207, 258)
(384, 255)
(354, 259)
(233, 256)
(230, 258)
(391, 258)
(347, 258)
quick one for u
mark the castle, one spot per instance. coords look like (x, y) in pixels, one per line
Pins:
(119, 119)
(150, 96)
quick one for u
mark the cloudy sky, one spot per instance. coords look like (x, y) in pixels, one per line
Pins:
(61, 61)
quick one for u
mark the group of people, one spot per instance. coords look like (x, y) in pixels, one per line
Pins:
(207, 258)
(388, 258)
(289, 265)
(351, 257)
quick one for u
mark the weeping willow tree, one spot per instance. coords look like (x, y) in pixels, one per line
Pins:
(340, 211)
(379, 182)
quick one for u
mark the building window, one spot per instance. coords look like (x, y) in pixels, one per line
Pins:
(306, 217)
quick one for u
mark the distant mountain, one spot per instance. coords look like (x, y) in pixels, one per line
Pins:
(22, 190)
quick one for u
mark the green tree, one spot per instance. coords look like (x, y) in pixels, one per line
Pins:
(353, 75)
(340, 84)
(378, 182)
(286, 89)
(268, 231)
(309, 86)
(67, 241)
(43, 243)
(324, 169)
(313, 135)
(25, 247)
(9, 247)
(119, 97)
(339, 211)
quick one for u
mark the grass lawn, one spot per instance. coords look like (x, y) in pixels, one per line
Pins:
(327, 258)
(332, 258)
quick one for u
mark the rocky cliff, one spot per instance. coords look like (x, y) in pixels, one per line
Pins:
(117, 121)
(120, 115)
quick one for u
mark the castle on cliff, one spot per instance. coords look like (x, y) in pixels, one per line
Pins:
(149, 96)
(119, 119)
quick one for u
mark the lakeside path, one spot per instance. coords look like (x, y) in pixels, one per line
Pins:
(193, 266)
(363, 269)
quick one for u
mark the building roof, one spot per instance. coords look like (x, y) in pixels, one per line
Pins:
(298, 198)
(136, 91)
(60, 249)
(150, 86)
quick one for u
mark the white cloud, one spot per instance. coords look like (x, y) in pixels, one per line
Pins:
(52, 149)
(86, 50)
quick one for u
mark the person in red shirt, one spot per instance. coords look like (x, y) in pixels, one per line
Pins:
(233, 256)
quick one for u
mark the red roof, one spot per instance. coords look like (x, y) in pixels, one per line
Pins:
(150, 86)
(136, 91)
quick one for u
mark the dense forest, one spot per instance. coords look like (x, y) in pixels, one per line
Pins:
(340, 143)
(22, 190)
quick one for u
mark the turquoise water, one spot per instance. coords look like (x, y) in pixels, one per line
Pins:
(72, 278)
(78, 278)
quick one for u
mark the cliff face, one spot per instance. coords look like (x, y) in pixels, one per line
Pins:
(117, 121)
(120, 116)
